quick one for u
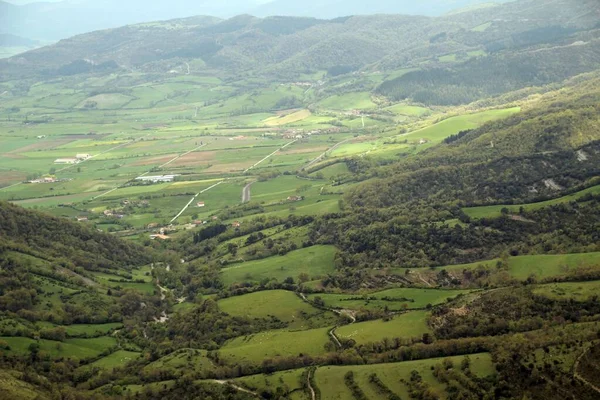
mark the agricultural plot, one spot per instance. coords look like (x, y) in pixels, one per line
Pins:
(438, 132)
(576, 291)
(290, 381)
(348, 101)
(392, 299)
(314, 261)
(181, 361)
(281, 343)
(330, 380)
(405, 326)
(115, 360)
(70, 348)
(496, 211)
(89, 330)
(540, 266)
(408, 110)
(289, 308)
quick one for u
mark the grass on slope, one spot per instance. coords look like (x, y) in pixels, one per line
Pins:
(184, 361)
(394, 299)
(116, 359)
(255, 348)
(348, 101)
(496, 211)
(12, 387)
(542, 266)
(438, 132)
(290, 380)
(281, 304)
(78, 348)
(406, 326)
(315, 261)
(577, 291)
(330, 380)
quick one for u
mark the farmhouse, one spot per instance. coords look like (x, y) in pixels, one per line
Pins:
(152, 225)
(66, 161)
(82, 219)
(82, 157)
(160, 237)
(295, 198)
(156, 179)
(201, 204)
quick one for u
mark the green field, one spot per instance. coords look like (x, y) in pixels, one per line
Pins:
(348, 101)
(577, 291)
(496, 211)
(70, 348)
(393, 299)
(315, 261)
(406, 326)
(411, 111)
(116, 359)
(289, 380)
(330, 380)
(184, 360)
(280, 343)
(541, 266)
(289, 308)
(441, 130)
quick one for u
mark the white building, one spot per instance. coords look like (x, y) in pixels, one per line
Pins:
(157, 179)
(82, 156)
(66, 161)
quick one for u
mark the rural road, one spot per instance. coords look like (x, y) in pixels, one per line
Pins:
(238, 388)
(246, 192)
(192, 200)
(145, 173)
(313, 395)
(271, 155)
(316, 160)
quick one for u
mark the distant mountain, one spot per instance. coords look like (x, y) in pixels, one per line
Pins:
(58, 20)
(288, 46)
(7, 40)
(339, 8)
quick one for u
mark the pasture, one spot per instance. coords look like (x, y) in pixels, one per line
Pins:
(330, 380)
(576, 291)
(443, 129)
(393, 299)
(496, 211)
(289, 308)
(314, 261)
(405, 326)
(278, 343)
(542, 266)
(70, 348)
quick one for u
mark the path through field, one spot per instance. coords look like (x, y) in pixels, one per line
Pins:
(316, 160)
(192, 200)
(313, 395)
(238, 388)
(270, 155)
(148, 172)
(246, 192)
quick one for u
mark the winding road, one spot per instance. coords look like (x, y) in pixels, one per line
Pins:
(316, 160)
(246, 192)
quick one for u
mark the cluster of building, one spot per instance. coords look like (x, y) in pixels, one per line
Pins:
(72, 160)
(48, 179)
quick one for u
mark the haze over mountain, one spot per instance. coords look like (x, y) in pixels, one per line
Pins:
(58, 20)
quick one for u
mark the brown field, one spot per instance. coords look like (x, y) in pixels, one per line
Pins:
(156, 161)
(42, 145)
(194, 159)
(11, 176)
(233, 167)
(292, 150)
